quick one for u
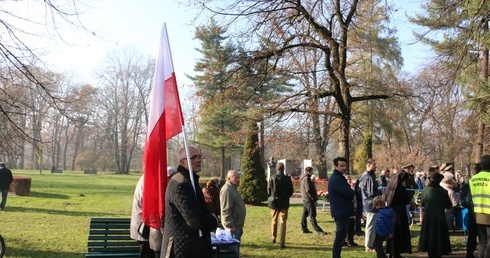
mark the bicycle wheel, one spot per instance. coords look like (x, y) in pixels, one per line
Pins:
(2, 246)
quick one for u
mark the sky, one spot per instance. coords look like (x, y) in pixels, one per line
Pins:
(137, 23)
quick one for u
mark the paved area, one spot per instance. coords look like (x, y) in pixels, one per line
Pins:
(296, 199)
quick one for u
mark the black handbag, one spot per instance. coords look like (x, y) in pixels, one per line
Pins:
(271, 202)
(144, 230)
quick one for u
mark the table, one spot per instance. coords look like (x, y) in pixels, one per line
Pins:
(219, 251)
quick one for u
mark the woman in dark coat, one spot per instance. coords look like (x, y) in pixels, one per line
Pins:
(397, 198)
(434, 236)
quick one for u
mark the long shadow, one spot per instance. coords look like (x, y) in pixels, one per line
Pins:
(58, 212)
(48, 195)
(18, 252)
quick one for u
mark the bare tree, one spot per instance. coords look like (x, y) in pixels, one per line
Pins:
(126, 83)
(285, 26)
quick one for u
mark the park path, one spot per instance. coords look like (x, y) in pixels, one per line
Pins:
(296, 199)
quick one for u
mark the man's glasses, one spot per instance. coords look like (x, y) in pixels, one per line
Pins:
(197, 157)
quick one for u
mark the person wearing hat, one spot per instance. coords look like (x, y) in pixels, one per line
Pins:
(5, 180)
(449, 184)
(480, 196)
(434, 234)
(397, 198)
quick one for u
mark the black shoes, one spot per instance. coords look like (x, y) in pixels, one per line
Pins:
(306, 231)
(321, 233)
(283, 246)
(353, 244)
(360, 233)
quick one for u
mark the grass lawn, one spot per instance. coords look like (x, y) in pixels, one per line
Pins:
(54, 220)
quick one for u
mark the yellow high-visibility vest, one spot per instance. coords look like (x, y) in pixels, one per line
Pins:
(480, 192)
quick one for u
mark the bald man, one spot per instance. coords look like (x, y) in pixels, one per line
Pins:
(187, 223)
(232, 207)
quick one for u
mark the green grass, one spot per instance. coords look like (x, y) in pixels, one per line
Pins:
(54, 220)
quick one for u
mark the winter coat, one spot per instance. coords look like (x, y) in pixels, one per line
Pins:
(434, 235)
(369, 189)
(6, 178)
(308, 189)
(384, 222)
(233, 210)
(397, 198)
(341, 196)
(186, 216)
(281, 187)
(136, 211)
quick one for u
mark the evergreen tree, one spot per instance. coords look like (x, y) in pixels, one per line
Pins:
(220, 119)
(253, 186)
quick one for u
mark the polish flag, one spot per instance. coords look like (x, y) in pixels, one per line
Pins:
(165, 122)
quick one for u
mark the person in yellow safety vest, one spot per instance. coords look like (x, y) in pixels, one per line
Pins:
(480, 195)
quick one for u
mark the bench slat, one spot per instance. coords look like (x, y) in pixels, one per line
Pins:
(102, 255)
(102, 237)
(110, 237)
(116, 244)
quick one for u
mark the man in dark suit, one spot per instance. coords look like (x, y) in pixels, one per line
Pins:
(341, 203)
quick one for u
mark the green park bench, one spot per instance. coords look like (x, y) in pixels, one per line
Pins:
(110, 237)
(92, 172)
(58, 171)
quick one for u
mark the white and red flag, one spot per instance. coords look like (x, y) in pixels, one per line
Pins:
(165, 122)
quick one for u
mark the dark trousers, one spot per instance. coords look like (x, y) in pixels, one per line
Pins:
(5, 193)
(378, 246)
(358, 228)
(472, 234)
(309, 210)
(342, 226)
(350, 231)
(145, 250)
(484, 236)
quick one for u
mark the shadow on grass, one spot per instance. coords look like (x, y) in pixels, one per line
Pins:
(279, 252)
(58, 212)
(21, 252)
(48, 195)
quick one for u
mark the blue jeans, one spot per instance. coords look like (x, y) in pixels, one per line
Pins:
(5, 193)
(342, 226)
(238, 235)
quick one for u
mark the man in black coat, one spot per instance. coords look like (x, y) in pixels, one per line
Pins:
(187, 224)
(5, 181)
(281, 188)
(341, 198)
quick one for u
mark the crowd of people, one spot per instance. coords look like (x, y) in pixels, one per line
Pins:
(193, 213)
(385, 201)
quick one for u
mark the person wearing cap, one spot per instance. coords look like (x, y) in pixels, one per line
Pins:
(410, 182)
(434, 234)
(449, 184)
(5, 180)
(480, 196)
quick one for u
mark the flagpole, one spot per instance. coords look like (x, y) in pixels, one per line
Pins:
(191, 173)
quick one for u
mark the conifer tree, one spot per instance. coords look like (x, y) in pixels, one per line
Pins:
(253, 186)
